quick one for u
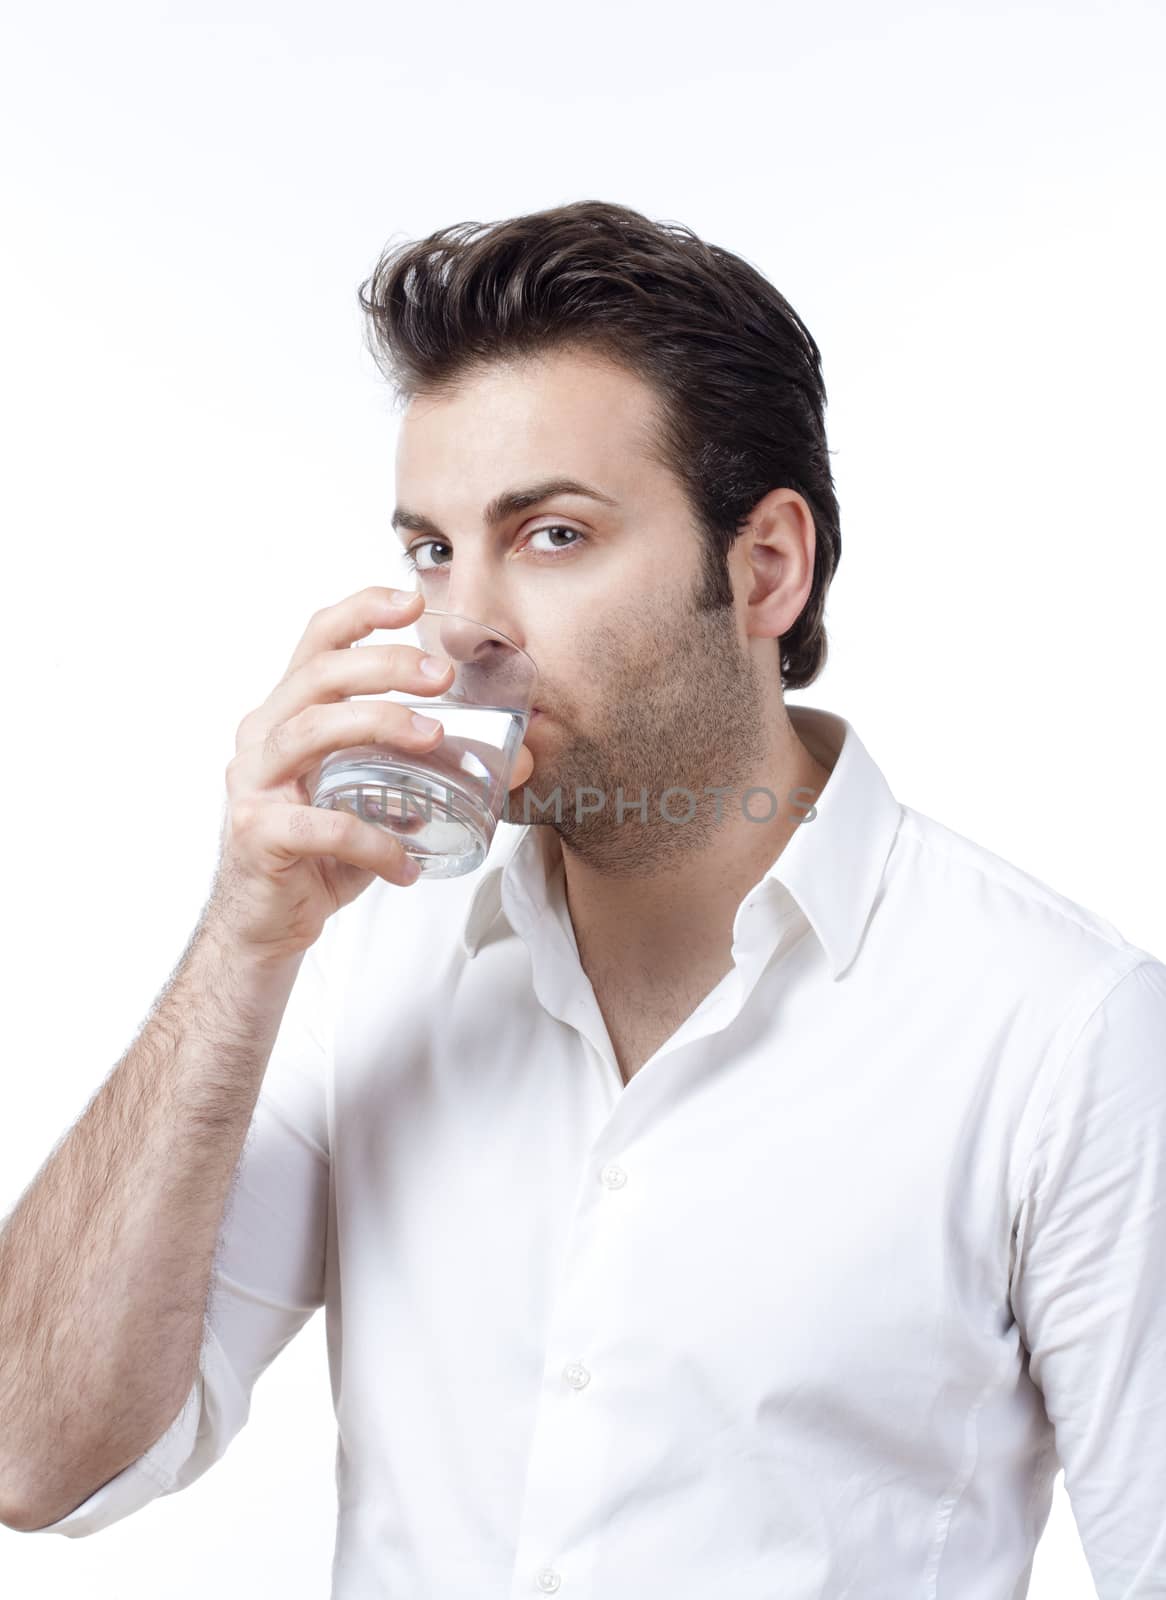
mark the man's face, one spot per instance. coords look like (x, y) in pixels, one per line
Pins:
(638, 688)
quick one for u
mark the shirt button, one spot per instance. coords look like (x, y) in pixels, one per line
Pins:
(614, 1177)
(578, 1377)
(548, 1580)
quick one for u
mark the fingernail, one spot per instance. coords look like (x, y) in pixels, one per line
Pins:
(401, 597)
(425, 724)
(433, 666)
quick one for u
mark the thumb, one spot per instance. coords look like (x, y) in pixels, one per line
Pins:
(523, 767)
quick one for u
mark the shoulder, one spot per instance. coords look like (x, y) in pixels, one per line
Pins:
(967, 904)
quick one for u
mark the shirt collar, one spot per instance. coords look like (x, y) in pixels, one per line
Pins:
(831, 866)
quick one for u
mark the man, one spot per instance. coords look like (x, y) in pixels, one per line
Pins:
(743, 1184)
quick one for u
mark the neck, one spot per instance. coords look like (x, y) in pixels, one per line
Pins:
(680, 910)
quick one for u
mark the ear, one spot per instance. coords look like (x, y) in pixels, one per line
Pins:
(778, 550)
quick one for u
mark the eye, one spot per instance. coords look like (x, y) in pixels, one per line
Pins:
(411, 561)
(558, 528)
(410, 555)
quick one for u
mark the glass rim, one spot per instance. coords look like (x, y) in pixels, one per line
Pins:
(460, 616)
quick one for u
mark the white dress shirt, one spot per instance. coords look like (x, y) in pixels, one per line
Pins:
(812, 1308)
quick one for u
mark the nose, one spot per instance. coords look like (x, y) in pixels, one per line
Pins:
(464, 639)
(472, 600)
(489, 666)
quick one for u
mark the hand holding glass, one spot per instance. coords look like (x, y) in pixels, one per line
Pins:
(444, 805)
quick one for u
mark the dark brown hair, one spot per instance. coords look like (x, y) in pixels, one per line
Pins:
(738, 375)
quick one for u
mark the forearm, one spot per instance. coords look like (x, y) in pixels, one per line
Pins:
(105, 1262)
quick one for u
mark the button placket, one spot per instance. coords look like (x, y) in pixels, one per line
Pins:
(612, 1176)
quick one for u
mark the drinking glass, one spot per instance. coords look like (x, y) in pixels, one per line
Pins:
(443, 805)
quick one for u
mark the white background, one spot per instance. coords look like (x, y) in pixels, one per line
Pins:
(962, 201)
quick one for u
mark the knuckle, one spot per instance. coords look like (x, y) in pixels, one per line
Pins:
(244, 815)
(303, 680)
(274, 741)
(357, 711)
(300, 822)
(314, 677)
(311, 723)
(341, 827)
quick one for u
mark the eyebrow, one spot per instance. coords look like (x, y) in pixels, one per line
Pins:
(506, 504)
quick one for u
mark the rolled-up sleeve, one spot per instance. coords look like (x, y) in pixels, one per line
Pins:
(268, 1275)
(1089, 1281)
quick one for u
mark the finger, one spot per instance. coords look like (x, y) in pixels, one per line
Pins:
(523, 766)
(335, 674)
(291, 749)
(283, 833)
(350, 619)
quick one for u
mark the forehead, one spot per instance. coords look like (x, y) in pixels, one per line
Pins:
(571, 412)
